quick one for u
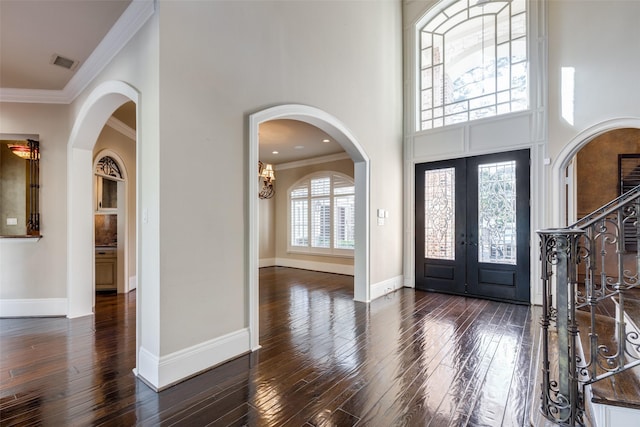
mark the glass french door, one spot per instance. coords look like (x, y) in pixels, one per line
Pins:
(472, 226)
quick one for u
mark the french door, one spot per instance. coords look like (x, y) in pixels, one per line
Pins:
(472, 226)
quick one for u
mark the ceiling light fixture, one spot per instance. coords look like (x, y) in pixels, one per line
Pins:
(267, 176)
(325, 140)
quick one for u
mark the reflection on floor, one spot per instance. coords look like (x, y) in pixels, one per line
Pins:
(409, 358)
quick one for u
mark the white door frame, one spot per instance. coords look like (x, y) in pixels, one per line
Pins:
(343, 136)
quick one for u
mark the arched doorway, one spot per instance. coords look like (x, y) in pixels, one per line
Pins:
(563, 189)
(341, 134)
(90, 120)
(112, 219)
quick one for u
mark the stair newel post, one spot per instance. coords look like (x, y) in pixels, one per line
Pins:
(590, 243)
(546, 247)
(573, 250)
(561, 399)
(619, 286)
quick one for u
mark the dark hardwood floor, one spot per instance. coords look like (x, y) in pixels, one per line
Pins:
(410, 358)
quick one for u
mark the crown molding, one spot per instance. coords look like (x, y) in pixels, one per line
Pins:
(132, 19)
(120, 126)
(313, 161)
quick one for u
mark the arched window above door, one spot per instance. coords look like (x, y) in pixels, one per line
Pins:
(109, 167)
(108, 172)
(473, 61)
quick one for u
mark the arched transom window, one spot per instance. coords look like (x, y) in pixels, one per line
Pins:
(322, 214)
(109, 167)
(473, 62)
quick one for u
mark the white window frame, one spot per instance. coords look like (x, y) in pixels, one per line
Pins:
(310, 250)
(441, 13)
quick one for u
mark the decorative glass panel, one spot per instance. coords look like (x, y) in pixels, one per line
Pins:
(497, 213)
(108, 166)
(467, 51)
(439, 213)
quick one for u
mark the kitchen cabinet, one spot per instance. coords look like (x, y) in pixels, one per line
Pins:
(106, 269)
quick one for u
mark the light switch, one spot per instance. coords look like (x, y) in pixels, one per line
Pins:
(12, 221)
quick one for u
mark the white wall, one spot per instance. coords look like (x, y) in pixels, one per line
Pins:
(251, 55)
(267, 232)
(200, 69)
(600, 40)
(37, 270)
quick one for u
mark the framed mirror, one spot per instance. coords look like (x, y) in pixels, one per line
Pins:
(19, 186)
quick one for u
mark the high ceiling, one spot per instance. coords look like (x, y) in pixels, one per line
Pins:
(33, 32)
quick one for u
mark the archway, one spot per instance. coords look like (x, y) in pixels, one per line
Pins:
(96, 109)
(340, 134)
(560, 188)
(121, 212)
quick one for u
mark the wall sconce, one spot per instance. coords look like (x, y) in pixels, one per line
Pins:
(28, 151)
(267, 175)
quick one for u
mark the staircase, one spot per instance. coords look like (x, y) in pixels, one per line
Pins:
(590, 340)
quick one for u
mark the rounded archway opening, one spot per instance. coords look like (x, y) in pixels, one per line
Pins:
(563, 184)
(89, 122)
(333, 127)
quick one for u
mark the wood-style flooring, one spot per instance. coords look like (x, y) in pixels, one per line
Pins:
(410, 358)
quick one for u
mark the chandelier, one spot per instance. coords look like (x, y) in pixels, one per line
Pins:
(267, 175)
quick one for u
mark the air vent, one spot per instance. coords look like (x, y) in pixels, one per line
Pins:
(61, 61)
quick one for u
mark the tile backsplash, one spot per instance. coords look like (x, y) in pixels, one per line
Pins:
(106, 230)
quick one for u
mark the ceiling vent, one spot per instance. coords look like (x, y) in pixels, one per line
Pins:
(63, 62)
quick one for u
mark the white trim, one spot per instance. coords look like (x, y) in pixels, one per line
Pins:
(325, 267)
(132, 19)
(123, 128)
(21, 239)
(267, 262)
(614, 416)
(165, 371)
(386, 286)
(315, 161)
(133, 282)
(361, 164)
(33, 307)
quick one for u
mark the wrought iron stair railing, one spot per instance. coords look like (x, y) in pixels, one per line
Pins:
(584, 267)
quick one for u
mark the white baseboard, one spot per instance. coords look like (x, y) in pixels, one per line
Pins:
(386, 286)
(133, 282)
(267, 262)
(163, 372)
(614, 416)
(36, 307)
(326, 267)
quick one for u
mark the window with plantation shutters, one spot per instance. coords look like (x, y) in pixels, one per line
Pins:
(629, 174)
(322, 214)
